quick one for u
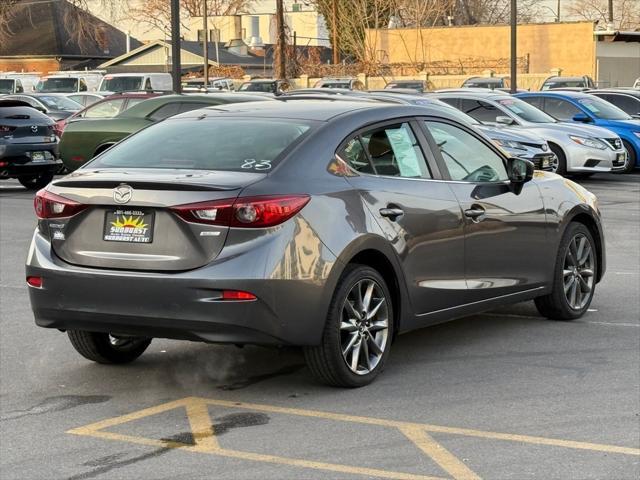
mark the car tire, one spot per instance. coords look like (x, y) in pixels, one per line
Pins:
(36, 182)
(105, 348)
(561, 167)
(348, 330)
(574, 281)
(632, 158)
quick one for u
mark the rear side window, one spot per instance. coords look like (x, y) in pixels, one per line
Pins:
(211, 144)
(391, 151)
(482, 111)
(107, 109)
(165, 111)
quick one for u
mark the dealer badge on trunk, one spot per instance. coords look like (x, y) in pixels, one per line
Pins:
(122, 194)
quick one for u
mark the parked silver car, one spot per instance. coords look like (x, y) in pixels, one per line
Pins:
(579, 148)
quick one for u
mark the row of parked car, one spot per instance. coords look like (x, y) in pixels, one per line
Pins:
(568, 132)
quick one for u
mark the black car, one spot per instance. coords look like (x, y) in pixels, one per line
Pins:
(626, 99)
(28, 145)
(55, 105)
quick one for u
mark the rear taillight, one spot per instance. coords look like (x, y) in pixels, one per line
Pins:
(59, 127)
(50, 205)
(244, 212)
(6, 129)
(237, 296)
(35, 282)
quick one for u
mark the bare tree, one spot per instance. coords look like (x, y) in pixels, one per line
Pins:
(157, 13)
(626, 13)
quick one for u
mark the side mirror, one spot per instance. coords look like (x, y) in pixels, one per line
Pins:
(520, 171)
(581, 117)
(504, 120)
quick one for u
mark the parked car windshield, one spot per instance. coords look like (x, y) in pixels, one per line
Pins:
(563, 84)
(121, 84)
(526, 112)
(214, 144)
(602, 109)
(59, 103)
(6, 86)
(256, 87)
(62, 85)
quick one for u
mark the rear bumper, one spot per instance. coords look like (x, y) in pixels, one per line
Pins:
(16, 159)
(183, 305)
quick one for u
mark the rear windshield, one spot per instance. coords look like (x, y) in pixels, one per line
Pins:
(6, 86)
(256, 87)
(212, 144)
(63, 85)
(121, 84)
(526, 112)
(59, 103)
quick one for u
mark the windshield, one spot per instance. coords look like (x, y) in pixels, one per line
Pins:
(6, 86)
(564, 84)
(256, 87)
(526, 112)
(602, 109)
(121, 84)
(62, 85)
(59, 103)
(214, 144)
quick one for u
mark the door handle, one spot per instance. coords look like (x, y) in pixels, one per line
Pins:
(474, 212)
(391, 213)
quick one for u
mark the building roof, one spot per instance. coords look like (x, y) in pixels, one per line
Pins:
(39, 31)
(225, 56)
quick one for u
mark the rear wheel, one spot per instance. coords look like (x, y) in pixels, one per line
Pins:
(36, 182)
(358, 332)
(107, 348)
(574, 280)
(631, 160)
(559, 165)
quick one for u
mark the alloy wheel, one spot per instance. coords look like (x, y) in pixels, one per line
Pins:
(364, 326)
(578, 272)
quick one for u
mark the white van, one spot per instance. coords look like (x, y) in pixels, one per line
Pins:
(12, 82)
(135, 82)
(70, 82)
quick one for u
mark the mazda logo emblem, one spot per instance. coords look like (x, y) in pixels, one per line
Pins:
(122, 194)
(34, 128)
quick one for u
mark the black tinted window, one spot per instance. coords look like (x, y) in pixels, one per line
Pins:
(535, 101)
(165, 111)
(627, 103)
(482, 111)
(560, 109)
(211, 144)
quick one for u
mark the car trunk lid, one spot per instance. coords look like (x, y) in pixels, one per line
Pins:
(128, 222)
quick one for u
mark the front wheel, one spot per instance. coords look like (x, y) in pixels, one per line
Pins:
(630, 162)
(106, 348)
(574, 278)
(358, 332)
(559, 165)
(36, 182)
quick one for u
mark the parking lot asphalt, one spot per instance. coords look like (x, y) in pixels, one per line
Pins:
(502, 395)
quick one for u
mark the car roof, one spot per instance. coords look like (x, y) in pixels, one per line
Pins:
(623, 91)
(318, 109)
(150, 104)
(565, 79)
(474, 92)
(557, 93)
(486, 79)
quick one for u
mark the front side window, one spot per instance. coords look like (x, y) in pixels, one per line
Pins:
(523, 110)
(560, 109)
(602, 109)
(212, 144)
(6, 86)
(627, 103)
(466, 157)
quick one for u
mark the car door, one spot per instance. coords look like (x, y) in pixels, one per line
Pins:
(419, 216)
(506, 249)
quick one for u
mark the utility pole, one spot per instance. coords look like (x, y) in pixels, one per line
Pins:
(334, 32)
(281, 68)
(558, 13)
(611, 12)
(205, 45)
(514, 46)
(176, 70)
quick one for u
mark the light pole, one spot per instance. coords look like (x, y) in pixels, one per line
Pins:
(205, 45)
(281, 68)
(176, 71)
(514, 46)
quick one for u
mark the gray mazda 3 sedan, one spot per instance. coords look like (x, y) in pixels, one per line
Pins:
(331, 225)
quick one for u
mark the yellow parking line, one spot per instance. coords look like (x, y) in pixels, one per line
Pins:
(206, 442)
(448, 462)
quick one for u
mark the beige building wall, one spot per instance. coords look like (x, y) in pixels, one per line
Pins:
(570, 46)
